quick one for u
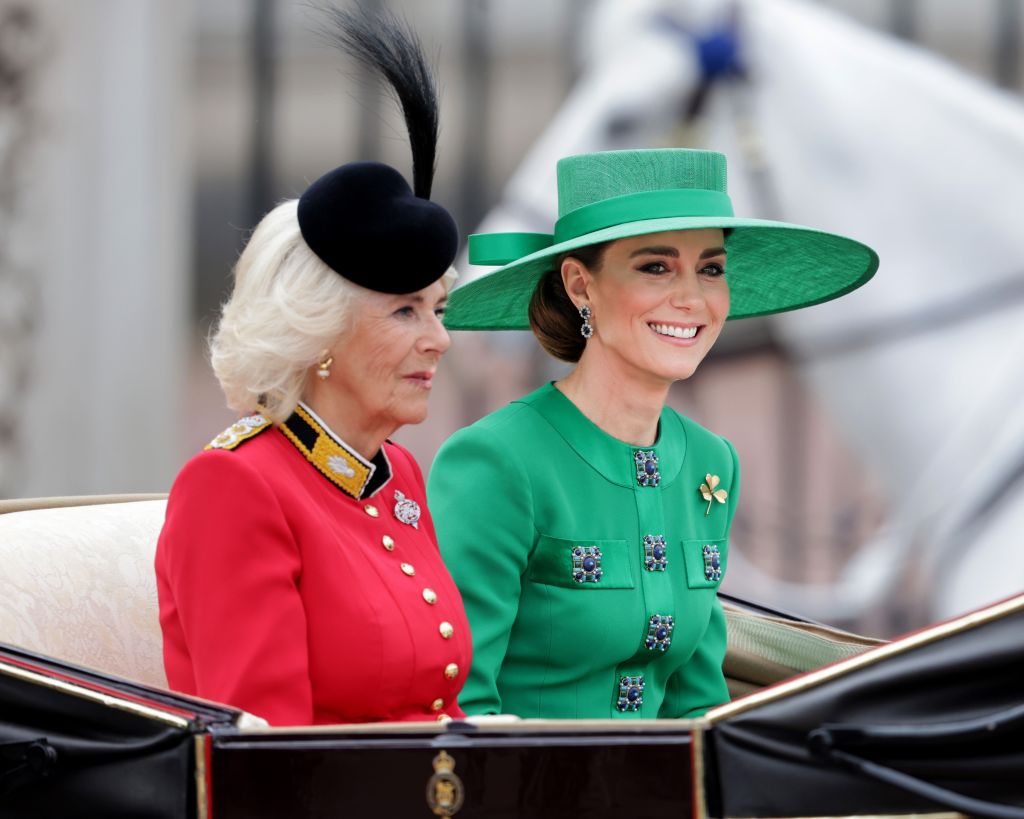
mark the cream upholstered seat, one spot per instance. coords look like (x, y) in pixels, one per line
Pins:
(765, 649)
(78, 584)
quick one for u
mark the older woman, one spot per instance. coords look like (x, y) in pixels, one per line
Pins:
(587, 524)
(298, 571)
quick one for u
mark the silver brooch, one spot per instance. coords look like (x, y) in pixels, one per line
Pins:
(407, 510)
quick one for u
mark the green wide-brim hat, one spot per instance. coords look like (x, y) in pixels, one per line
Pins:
(771, 266)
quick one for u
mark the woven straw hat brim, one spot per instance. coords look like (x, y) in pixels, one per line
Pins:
(771, 267)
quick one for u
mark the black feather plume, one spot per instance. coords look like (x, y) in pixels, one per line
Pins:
(386, 44)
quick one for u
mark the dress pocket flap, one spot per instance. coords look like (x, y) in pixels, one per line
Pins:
(705, 562)
(587, 565)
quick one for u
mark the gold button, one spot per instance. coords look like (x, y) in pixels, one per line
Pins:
(446, 629)
(389, 542)
(437, 704)
(443, 718)
(430, 596)
(371, 510)
(409, 569)
(451, 671)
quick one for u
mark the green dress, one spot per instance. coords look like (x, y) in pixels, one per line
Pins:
(588, 567)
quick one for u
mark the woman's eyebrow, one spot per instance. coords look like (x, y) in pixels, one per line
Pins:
(665, 250)
(655, 251)
(419, 298)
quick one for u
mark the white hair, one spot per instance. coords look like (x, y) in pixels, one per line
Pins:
(286, 308)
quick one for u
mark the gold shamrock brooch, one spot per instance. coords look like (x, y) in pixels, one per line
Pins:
(710, 493)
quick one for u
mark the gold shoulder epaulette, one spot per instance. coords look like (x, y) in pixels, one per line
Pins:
(240, 431)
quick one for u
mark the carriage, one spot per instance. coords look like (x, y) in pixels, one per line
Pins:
(822, 722)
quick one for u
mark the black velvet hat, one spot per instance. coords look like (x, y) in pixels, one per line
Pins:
(362, 219)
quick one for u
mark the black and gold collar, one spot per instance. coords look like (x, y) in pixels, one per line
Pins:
(333, 458)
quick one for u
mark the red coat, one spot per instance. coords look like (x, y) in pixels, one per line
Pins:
(279, 596)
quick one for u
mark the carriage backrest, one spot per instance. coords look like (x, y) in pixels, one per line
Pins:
(78, 584)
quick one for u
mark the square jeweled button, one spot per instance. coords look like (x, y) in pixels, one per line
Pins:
(631, 694)
(647, 473)
(586, 564)
(654, 553)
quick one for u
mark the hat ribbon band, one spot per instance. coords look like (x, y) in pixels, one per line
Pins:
(502, 248)
(636, 207)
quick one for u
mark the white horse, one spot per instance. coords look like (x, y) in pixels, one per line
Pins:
(854, 132)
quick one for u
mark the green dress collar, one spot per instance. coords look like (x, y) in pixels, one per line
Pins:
(616, 460)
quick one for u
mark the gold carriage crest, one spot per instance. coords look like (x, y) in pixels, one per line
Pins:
(444, 789)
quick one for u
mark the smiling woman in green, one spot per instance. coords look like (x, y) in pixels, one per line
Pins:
(587, 524)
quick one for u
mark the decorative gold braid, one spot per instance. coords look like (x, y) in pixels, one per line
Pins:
(326, 448)
(242, 430)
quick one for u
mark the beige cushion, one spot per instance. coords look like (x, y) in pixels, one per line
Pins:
(764, 650)
(78, 584)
